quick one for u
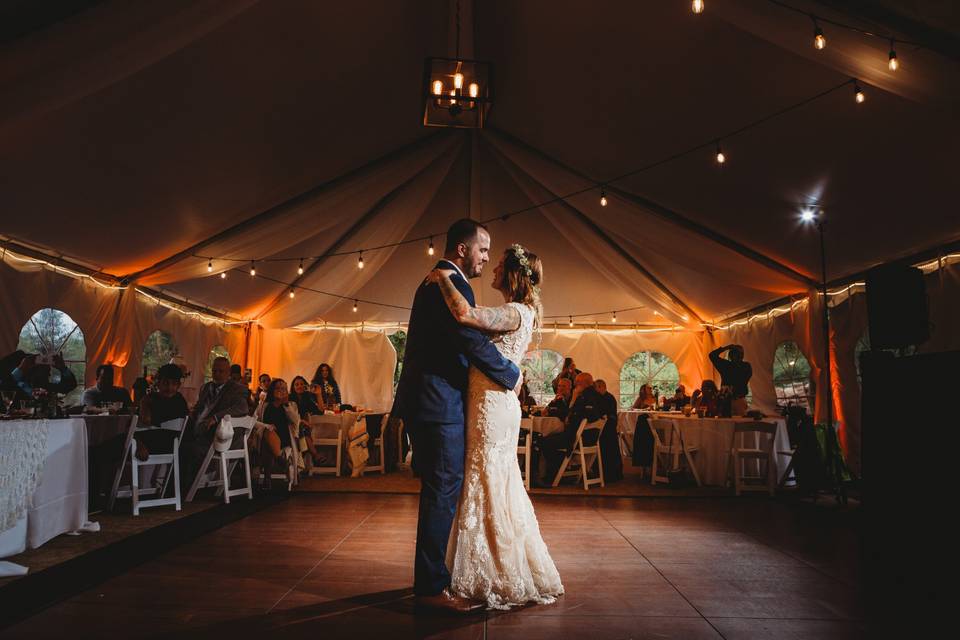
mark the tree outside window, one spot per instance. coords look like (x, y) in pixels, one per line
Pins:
(52, 331)
(791, 377)
(218, 351)
(158, 351)
(539, 368)
(399, 341)
(647, 367)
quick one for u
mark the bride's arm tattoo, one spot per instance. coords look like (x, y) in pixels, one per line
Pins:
(504, 318)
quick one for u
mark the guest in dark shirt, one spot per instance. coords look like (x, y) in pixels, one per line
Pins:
(734, 372)
(609, 443)
(325, 385)
(706, 399)
(677, 401)
(585, 403)
(526, 398)
(104, 391)
(306, 400)
(20, 372)
(236, 374)
(162, 405)
(559, 407)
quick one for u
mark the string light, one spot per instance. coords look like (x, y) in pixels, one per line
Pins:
(360, 261)
(223, 275)
(614, 319)
(430, 248)
(603, 197)
(571, 321)
(858, 93)
(300, 268)
(892, 63)
(354, 306)
(721, 158)
(210, 265)
(819, 41)
(253, 268)
(293, 293)
(697, 7)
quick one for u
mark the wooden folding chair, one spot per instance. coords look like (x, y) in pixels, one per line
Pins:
(760, 450)
(668, 441)
(587, 455)
(225, 463)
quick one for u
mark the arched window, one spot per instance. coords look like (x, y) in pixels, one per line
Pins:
(863, 344)
(540, 367)
(52, 331)
(647, 367)
(158, 351)
(791, 376)
(218, 351)
(399, 341)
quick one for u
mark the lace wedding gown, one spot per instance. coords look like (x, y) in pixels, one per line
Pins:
(496, 553)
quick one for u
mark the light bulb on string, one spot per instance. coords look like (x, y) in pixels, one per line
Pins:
(858, 93)
(697, 7)
(819, 40)
(721, 158)
(571, 321)
(360, 261)
(614, 318)
(354, 306)
(893, 64)
(223, 275)
(430, 250)
(253, 268)
(603, 197)
(300, 268)
(209, 265)
(293, 293)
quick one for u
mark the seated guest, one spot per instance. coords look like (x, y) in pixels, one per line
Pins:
(161, 405)
(104, 391)
(706, 399)
(305, 399)
(281, 414)
(325, 385)
(236, 374)
(264, 382)
(526, 398)
(559, 407)
(22, 374)
(677, 401)
(218, 398)
(568, 371)
(645, 398)
(609, 444)
(585, 403)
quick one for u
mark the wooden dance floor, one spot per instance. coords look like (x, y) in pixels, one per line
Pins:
(340, 566)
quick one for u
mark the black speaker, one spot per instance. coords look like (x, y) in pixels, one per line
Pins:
(897, 307)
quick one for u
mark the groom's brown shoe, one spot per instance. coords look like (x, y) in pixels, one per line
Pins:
(446, 601)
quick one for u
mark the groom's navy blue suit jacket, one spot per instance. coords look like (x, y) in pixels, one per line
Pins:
(438, 354)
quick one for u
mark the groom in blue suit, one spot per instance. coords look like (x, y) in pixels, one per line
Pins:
(430, 400)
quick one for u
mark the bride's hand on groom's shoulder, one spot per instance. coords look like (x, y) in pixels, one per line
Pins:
(434, 276)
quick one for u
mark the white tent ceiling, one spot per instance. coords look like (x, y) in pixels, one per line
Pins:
(138, 138)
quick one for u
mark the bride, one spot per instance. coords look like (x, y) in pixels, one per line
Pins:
(496, 554)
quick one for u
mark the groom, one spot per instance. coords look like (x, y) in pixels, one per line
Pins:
(430, 400)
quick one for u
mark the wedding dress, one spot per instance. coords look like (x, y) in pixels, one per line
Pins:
(496, 553)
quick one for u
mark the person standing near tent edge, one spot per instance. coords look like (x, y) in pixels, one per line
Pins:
(734, 373)
(430, 400)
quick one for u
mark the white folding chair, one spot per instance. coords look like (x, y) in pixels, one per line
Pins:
(318, 423)
(587, 455)
(525, 449)
(623, 439)
(226, 462)
(789, 471)
(377, 442)
(116, 488)
(170, 461)
(760, 449)
(668, 442)
(289, 475)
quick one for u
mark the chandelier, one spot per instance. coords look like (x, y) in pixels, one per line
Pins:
(457, 93)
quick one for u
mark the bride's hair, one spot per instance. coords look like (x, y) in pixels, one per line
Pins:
(522, 277)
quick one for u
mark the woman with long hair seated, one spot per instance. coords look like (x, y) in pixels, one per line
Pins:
(325, 385)
(645, 398)
(307, 405)
(282, 419)
(707, 398)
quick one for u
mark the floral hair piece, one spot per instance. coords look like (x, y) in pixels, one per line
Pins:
(521, 256)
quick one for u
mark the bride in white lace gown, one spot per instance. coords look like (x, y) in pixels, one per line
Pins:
(496, 553)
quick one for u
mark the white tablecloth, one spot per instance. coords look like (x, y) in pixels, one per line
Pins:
(60, 500)
(714, 438)
(544, 425)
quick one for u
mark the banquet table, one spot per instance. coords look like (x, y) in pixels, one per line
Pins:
(59, 501)
(351, 428)
(713, 437)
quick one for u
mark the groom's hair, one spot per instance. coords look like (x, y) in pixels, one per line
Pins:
(462, 231)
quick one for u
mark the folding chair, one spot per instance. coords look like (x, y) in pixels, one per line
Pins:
(664, 430)
(116, 488)
(220, 476)
(378, 442)
(791, 453)
(317, 422)
(587, 455)
(290, 473)
(762, 452)
(525, 449)
(170, 461)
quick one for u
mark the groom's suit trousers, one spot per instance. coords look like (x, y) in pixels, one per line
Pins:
(438, 457)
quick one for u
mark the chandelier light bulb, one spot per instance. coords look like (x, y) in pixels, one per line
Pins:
(300, 268)
(474, 89)
(209, 266)
(437, 88)
(253, 268)
(458, 81)
(698, 6)
(360, 261)
(819, 41)
(721, 158)
(893, 63)
(430, 250)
